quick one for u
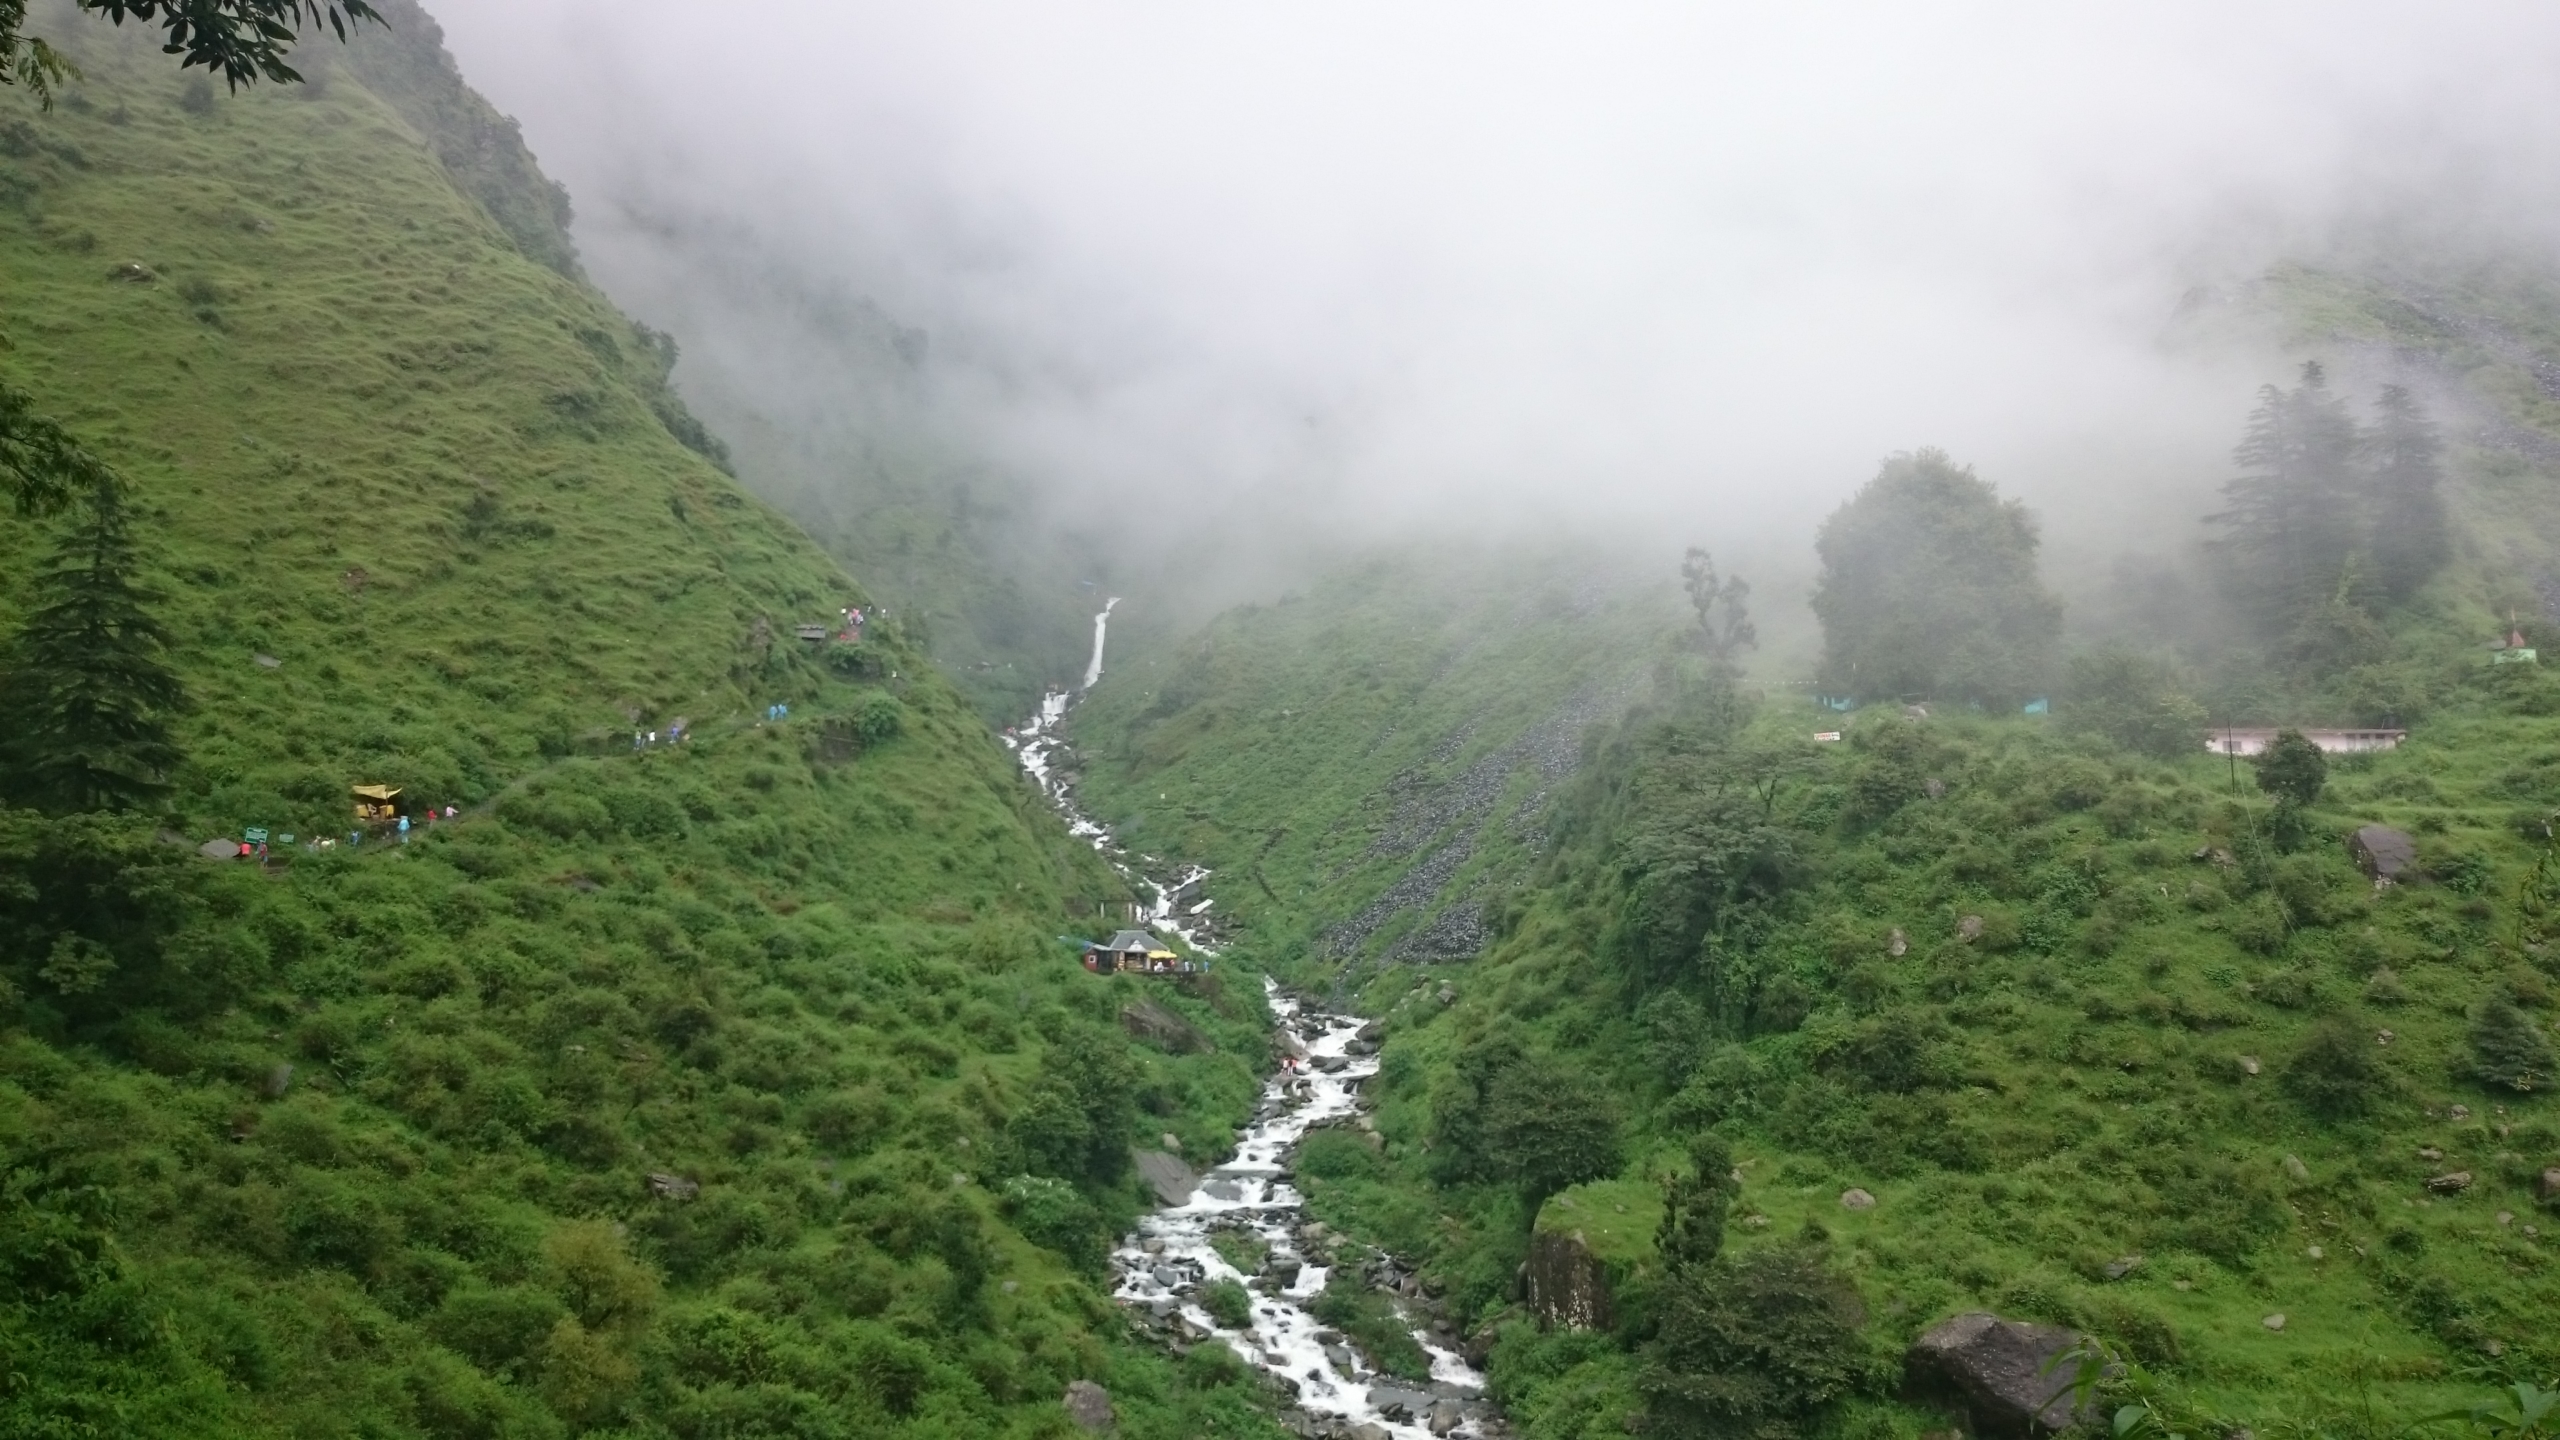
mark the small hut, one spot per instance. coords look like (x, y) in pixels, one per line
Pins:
(1132, 950)
(2383, 853)
(376, 802)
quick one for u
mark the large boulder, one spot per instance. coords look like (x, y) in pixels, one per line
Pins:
(1173, 1180)
(1151, 1023)
(1568, 1285)
(1089, 1406)
(1999, 1375)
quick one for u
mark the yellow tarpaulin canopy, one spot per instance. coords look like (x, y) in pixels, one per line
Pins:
(384, 794)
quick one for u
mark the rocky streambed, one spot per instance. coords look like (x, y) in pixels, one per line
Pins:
(1164, 1270)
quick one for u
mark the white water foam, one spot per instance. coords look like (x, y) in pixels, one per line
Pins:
(1163, 1265)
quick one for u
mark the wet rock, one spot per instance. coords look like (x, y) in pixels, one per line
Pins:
(1089, 1406)
(1166, 1276)
(1398, 1403)
(1222, 1188)
(1173, 1180)
(1341, 1359)
(1446, 1416)
(1994, 1373)
(1365, 1430)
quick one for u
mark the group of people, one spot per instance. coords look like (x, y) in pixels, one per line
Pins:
(643, 739)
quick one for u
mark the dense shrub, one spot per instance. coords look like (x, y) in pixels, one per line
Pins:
(2508, 1049)
(2334, 1072)
(1760, 1345)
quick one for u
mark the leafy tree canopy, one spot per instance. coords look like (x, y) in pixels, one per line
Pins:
(1929, 588)
(246, 40)
(2293, 770)
(1757, 1345)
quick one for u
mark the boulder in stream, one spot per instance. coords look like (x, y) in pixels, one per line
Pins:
(1173, 1180)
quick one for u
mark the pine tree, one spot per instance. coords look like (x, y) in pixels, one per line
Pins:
(2508, 1048)
(86, 691)
(2406, 509)
(42, 469)
(2292, 516)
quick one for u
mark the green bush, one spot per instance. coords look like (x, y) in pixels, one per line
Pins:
(1228, 1303)
(2135, 701)
(1761, 1344)
(2508, 1049)
(2334, 1071)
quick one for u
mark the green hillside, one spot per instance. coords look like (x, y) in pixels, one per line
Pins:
(1364, 761)
(2109, 1041)
(729, 1087)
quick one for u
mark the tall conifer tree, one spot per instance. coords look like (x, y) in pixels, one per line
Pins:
(2407, 509)
(2292, 515)
(85, 689)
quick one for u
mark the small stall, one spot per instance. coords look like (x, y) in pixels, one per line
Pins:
(1135, 952)
(376, 804)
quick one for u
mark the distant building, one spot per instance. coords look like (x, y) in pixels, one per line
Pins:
(1134, 951)
(2255, 740)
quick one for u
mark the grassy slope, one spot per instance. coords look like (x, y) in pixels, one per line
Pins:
(942, 541)
(2086, 1097)
(815, 981)
(1391, 727)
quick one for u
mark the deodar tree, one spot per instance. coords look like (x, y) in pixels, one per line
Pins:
(86, 684)
(2327, 521)
(1929, 590)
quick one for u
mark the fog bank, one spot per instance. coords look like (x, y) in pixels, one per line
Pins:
(1674, 271)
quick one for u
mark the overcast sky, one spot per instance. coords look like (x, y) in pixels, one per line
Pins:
(1690, 265)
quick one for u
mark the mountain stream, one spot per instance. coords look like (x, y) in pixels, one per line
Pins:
(1162, 1268)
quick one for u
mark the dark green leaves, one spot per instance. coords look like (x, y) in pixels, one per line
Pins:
(246, 40)
(89, 691)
